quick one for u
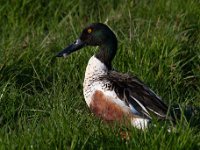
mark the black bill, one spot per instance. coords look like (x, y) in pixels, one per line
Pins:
(78, 44)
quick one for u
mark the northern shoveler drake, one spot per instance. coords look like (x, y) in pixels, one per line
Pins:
(111, 95)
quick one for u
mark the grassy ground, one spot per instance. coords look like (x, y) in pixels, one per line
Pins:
(41, 100)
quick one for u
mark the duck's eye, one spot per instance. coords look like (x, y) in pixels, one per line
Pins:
(89, 30)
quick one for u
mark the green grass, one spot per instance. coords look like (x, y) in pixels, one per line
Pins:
(41, 100)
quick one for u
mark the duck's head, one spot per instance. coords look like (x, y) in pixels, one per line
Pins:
(96, 34)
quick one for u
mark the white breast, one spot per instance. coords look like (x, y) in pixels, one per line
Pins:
(94, 70)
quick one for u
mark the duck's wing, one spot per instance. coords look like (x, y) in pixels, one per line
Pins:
(140, 98)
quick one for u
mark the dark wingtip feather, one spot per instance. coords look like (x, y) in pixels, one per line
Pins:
(189, 112)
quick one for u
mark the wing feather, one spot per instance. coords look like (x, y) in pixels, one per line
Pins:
(135, 93)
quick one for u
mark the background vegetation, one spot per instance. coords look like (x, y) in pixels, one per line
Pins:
(41, 100)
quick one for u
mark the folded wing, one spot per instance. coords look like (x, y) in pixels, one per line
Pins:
(140, 98)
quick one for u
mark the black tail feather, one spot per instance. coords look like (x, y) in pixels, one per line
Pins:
(190, 113)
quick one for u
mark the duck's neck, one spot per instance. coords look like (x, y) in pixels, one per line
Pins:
(107, 52)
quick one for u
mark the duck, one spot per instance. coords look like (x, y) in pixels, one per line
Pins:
(109, 94)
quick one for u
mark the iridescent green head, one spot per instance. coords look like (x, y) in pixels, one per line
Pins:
(96, 34)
